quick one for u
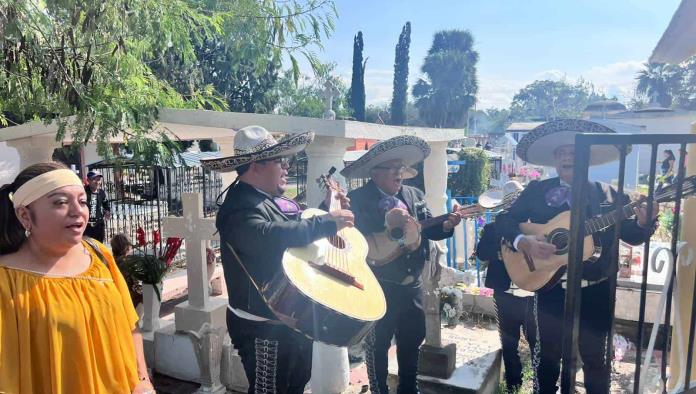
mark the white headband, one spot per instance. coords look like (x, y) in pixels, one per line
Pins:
(43, 184)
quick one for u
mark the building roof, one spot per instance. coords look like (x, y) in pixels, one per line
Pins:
(678, 42)
(184, 159)
(605, 105)
(522, 126)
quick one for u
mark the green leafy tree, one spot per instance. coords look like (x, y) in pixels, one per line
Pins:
(473, 176)
(93, 64)
(548, 100)
(490, 121)
(306, 98)
(659, 82)
(380, 114)
(449, 86)
(357, 83)
(685, 95)
(400, 92)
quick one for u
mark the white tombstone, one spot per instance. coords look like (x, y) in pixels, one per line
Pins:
(196, 230)
(330, 369)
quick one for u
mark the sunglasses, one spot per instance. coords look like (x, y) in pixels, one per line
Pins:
(285, 162)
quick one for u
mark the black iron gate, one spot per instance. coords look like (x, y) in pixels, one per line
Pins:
(140, 196)
(583, 143)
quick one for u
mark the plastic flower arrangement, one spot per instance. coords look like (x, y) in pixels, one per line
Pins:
(151, 269)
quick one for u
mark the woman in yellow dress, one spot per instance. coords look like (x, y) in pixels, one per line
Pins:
(67, 324)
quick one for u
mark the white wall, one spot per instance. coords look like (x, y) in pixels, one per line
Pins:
(664, 124)
(9, 163)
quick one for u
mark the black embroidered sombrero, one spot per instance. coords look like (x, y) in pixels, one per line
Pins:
(408, 148)
(254, 143)
(538, 145)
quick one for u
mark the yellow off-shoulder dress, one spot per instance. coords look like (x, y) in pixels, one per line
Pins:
(67, 335)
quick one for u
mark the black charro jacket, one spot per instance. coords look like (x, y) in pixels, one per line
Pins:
(368, 219)
(259, 233)
(531, 205)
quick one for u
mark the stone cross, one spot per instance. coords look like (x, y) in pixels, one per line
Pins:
(196, 230)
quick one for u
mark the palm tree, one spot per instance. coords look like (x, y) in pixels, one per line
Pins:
(659, 82)
(449, 86)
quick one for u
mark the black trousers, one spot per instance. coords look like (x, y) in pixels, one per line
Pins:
(514, 313)
(404, 320)
(275, 358)
(96, 231)
(595, 321)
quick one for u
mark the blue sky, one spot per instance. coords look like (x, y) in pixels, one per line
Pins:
(518, 41)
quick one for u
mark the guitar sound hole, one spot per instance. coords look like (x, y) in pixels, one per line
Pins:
(337, 242)
(560, 238)
(396, 233)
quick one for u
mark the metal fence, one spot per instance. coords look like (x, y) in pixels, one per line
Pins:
(141, 196)
(583, 143)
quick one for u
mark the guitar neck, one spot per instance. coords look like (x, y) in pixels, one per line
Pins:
(605, 221)
(437, 220)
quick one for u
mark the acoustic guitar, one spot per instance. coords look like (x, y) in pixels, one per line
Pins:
(326, 290)
(403, 232)
(534, 274)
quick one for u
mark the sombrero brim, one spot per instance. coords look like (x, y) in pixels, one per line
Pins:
(289, 146)
(491, 198)
(409, 149)
(538, 145)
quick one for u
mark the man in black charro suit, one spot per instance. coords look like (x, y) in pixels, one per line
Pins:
(387, 164)
(550, 144)
(514, 307)
(260, 225)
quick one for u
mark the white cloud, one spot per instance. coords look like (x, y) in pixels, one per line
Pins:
(614, 79)
(550, 75)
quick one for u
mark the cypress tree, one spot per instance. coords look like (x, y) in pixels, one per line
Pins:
(400, 92)
(357, 83)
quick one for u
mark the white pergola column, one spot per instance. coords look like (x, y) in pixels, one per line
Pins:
(226, 149)
(36, 149)
(322, 154)
(435, 177)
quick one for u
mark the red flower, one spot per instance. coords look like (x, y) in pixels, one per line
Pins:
(156, 237)
(140, 236)
(173, 245)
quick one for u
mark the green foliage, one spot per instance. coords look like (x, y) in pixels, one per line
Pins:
(448, 89)
(473, 177)
(306, 98)
(102, 68)
(548, 100)
(148, 269)
(357, 83)
(490, 121)
(400, 92)
(659, 83)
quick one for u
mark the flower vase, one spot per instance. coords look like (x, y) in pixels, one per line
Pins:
(151, 307)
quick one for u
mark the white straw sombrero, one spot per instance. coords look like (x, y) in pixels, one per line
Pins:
(538, 145)
(408, 148)
(254, 143)
(495, 197)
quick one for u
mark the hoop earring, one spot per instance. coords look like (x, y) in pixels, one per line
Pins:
(27, 233)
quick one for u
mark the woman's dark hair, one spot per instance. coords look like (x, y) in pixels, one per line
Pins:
(671, 154)
(11, 230)
(120, 245)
